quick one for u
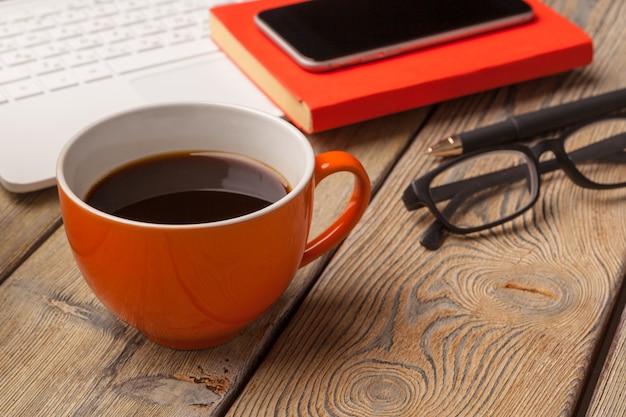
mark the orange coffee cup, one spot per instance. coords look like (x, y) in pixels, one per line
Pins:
(191, 286)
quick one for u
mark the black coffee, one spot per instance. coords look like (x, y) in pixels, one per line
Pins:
(188, 187)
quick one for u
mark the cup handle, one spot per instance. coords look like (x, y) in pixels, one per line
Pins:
(326, 164)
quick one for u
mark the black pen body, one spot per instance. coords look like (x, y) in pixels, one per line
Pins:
(543, 120)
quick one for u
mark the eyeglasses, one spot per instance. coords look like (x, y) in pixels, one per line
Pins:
(489, 187)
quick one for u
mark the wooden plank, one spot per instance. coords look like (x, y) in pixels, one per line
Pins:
(25, 221)
(62, 353)
(505, 323)
(610, 391)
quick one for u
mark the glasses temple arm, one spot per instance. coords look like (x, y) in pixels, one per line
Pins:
(436, 233)
(607, 147)
(615, 146)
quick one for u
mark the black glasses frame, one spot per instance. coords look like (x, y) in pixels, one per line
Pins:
(420, 194)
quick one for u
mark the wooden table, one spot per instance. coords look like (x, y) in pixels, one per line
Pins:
(524, 320)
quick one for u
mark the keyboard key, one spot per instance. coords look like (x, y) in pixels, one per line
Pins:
(33, 39)
(93, 72)
(191, 5)
(160, 56)
(116, 35)
(10, 29)
(204, 31)
(161, 11)
(179, 36)
(22, 89)
(71, 16)
(51, 50)
(130, 18)
(18, 57)
(98, 25)
(66, 32)
(179, 22)
(59, 80)
(113, 51)
(84, 42)
(149, 28)
(8, 75)
(103, 10)
(80, 58)
(41, 23)
(7, 45)
(45, 11)
(78, 4)
(19, 16)
(47, 66)
(146, 44)
(129, 5)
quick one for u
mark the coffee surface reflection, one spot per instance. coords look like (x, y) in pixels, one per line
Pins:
(188, 188)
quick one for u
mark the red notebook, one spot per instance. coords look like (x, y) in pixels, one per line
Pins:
(318, 101)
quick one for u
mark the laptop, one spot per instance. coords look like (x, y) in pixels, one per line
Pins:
(66, 64)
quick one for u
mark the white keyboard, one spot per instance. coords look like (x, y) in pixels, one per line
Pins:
(63, 45)
(65, 64)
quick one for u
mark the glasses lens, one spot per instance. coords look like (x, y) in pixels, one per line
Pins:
(599, 150)
(485, 189)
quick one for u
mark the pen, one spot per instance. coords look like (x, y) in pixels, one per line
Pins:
(530, 124)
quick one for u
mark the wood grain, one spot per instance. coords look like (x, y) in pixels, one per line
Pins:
(62, 353)
(26, 220)
(505, 323)
(609, 391)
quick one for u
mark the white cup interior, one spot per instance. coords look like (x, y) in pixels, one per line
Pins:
(139, 133)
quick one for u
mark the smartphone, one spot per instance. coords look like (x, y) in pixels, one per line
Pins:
(322, 35)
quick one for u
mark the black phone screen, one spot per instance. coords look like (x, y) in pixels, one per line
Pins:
(323, 30)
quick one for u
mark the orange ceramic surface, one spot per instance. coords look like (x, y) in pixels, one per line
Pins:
(330, 163)
(186, 287)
